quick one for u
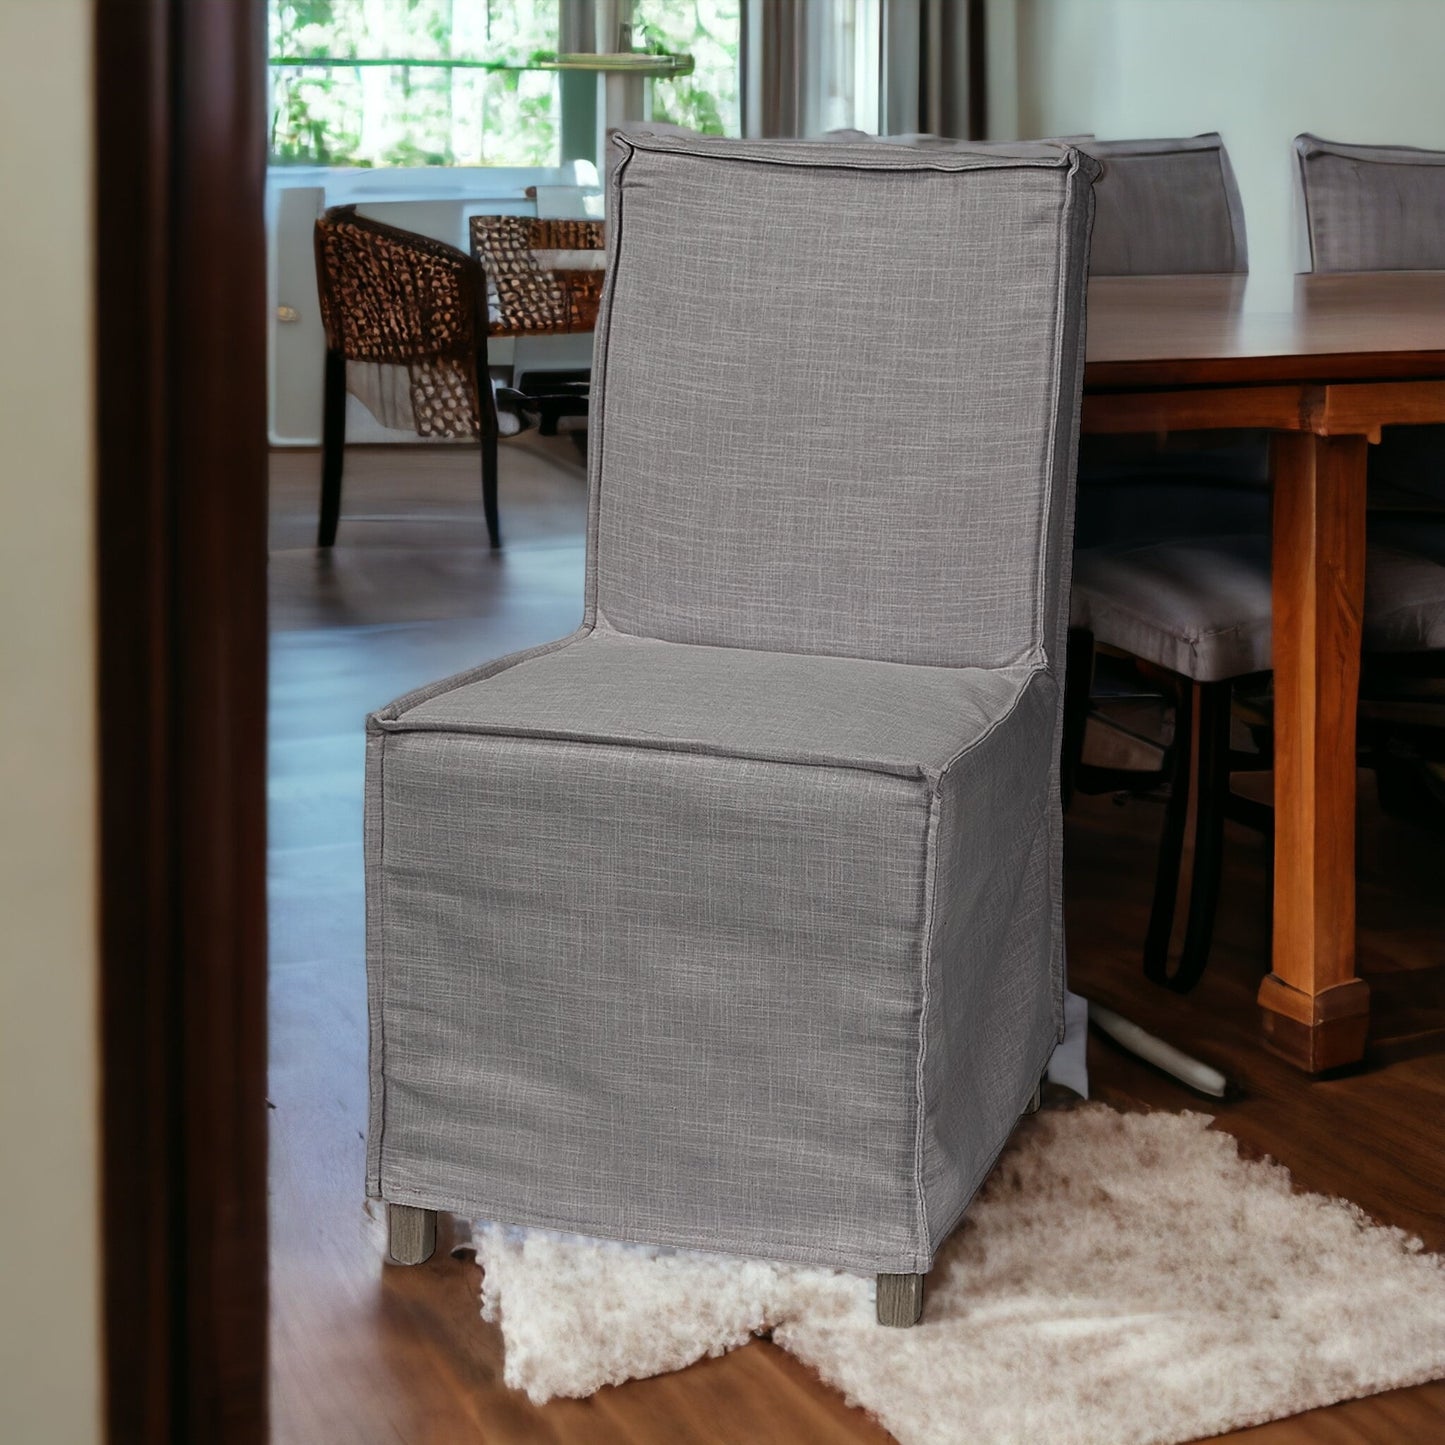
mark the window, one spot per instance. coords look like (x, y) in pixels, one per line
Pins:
(844, 42)
(455, 83)
(413, 82)
(708, 100)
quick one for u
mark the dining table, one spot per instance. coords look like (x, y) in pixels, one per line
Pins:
(1322, 363)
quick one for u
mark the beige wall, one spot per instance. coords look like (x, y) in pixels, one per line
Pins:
(49, 1351)
(1258, 71)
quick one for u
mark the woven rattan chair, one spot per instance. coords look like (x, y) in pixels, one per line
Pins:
(544, 278)
(415, 309)
(733, 921)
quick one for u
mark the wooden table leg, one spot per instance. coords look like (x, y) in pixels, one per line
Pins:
(1315, 1011)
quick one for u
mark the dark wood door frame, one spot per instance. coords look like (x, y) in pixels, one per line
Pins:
(181, 558)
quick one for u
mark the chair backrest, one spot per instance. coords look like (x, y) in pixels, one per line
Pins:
(926, 141)
(835, 398)
(544, 278)
(393, 297)
(1372, 208)
(1166, 207)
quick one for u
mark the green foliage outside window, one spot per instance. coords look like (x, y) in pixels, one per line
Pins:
(420, 109)
(708, 30)
(442, 96)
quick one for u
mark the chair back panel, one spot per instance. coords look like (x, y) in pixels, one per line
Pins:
(393, 297)
(1372, 208)
(541, 276)
(1166, 208)
(1380, 208)
(835, 398)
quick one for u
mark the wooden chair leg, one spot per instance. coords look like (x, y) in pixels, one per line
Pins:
(489, 490)
(333, 447)
(900, 1299)
(412, 1233)
(1202, 743)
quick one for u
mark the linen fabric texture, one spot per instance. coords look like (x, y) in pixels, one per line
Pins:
(1380, 208)
(1372, 208)
(733, 920)
(1167, 207)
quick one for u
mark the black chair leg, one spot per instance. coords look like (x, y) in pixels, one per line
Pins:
(1078, 684)
(489, 490)
(333, 447)
(1213, 725)
(1202, 744)
(1171, 841)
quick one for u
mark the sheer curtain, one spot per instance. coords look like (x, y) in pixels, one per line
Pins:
(883, 66)
(811, 66)
(928, 82)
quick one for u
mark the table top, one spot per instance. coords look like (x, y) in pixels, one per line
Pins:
(1210, 330)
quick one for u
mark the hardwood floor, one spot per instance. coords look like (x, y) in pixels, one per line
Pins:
(372, 1354)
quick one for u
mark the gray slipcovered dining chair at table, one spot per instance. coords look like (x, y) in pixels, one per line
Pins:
(1145, 510)
(732, 921)
(1382, 208)
(1169, 207)
(1372, 207)
(1198, 603)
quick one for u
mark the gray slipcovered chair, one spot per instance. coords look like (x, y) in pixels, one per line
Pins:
(732, 921)
(1169, 207)
(1382, 208)
(1371, 207)
(1201, 609)
(1199, 605)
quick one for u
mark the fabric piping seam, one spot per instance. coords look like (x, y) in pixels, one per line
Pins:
(1038, 650)
(923, 1246)
(592, 608)
(381, 956)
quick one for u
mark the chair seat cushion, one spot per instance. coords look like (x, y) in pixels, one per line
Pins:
(1198, 606)
(779, 914)
(1202, 607)
(1405, 586)
(732, 702)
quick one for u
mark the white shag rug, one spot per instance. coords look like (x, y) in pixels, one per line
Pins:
(1124, 1279)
